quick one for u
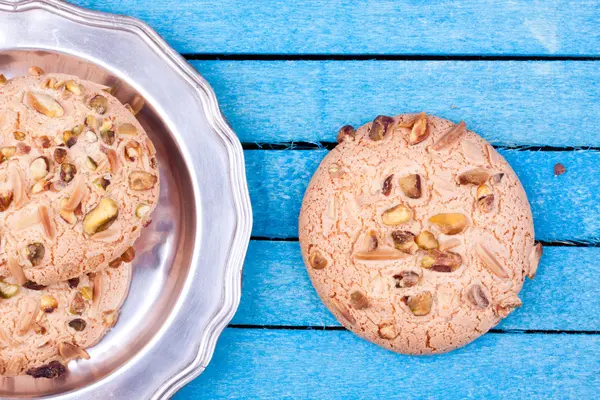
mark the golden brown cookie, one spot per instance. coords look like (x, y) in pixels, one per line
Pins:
(78, 178)
(43, 328)
(417, 234)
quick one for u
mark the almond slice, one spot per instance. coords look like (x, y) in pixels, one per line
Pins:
(29, 310)
(47, 222)
(490, 261)
(451, 136)
(79, 191)
(343, 310)
(112, 159)
(16, 271)
(110, 235)
(507, 304)
(44, 104)
(70, 352)
(381, 254)
(450, 244)
(16, 181)
(534, 259)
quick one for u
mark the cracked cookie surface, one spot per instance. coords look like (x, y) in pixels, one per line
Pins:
(417, 234)
(43, 328)
(78, 178)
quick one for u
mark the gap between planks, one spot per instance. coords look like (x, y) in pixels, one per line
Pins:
(331, 145)
(341, 328)
(544, 243)
(374, 57)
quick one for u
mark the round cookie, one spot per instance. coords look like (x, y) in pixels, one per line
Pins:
(41, 330)
(417, 234)
(78, 178)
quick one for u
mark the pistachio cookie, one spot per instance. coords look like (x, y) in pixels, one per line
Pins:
(78, 177)
(417, 234)
(43, 328)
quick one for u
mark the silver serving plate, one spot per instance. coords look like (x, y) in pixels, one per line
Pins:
(187, 276)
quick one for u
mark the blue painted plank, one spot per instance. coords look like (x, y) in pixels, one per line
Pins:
(460, 27)
(565, 208)
(253, 363)
(507, 102)
(562, 297)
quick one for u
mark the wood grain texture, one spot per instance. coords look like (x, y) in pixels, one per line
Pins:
(277, 291)
(507, 102)
(369, 27)
(251, 363)
(565, 208)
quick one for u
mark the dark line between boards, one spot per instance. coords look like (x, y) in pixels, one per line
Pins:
(377, 57)
(564, 243)
(331, 145)
(341, 328)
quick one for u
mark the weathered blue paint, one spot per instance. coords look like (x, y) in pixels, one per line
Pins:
(507, 102)
(456, 27)
(565, 208)
(277, 291)
(510, 103)
(267, 364)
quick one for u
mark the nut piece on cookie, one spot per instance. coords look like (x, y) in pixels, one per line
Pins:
(507, 304)
(405, 241)
(44, 104)
(451, 136)
(101, 217)
(99, 104)
(490, 261)
(534, 259)
(39, 168)
(485, 198)
(411, 186)
(441, 261)
(52, 370)
(35, 253)
(426, 241)
(477, 176)
(6, 199)
(316, 260)
(380, 255)
(386, 188)
(397, 215)
(8, 290)
(419, 304)
(346, 132)
(387, 331)
(379, 127)
(450, 223)
(48, 304)
(371, 241)
(419, 131)
(477, 296)
(141, 180)
(407, 279)
(358, 300)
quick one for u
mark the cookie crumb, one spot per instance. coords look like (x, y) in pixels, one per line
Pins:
(559, 169)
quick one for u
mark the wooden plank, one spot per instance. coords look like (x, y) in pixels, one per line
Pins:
(507, 102)
(277, 291)
(254, 363)
(364, 27)
(565, 208)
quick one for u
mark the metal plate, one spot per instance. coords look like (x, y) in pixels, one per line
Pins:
(187, 276)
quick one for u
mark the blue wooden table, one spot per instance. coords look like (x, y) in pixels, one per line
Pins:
(289, 73)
